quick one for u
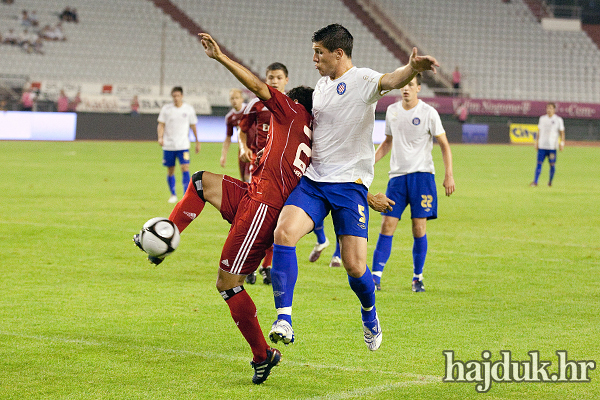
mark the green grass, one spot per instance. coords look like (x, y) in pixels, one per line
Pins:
(84, 316)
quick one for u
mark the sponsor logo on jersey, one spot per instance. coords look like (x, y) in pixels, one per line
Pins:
(341, 88)
(416, 121)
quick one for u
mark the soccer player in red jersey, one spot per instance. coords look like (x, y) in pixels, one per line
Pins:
(254, 130)
(232, 120)
(252, 208)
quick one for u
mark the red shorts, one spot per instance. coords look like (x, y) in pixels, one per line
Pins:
(252, 226)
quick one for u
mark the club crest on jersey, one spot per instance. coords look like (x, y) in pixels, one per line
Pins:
(416, 121)
(341, 88)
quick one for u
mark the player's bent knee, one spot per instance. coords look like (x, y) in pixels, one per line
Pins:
(285, 235)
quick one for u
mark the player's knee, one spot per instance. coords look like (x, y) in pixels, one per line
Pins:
(284, 235)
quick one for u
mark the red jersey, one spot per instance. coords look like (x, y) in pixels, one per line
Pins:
(232, 119)
(286, 154)
(255, 123)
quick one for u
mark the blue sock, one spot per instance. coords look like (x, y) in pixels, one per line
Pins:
(185, 177)
(381, 255)
(552, 169)
(337, 252)
(284, 274)
(171, 182)
(419, 253)
(538, 171)
(320, 232)
(365, 291)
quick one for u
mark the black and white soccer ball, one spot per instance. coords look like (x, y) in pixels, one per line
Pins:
(159, 237)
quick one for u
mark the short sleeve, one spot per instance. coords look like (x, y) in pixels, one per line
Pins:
(561, 124)
(388, 122)
(162, 115)
(436, 127)
(193, 117)
(368, 85)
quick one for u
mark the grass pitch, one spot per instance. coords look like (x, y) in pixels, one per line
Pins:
(84, 316)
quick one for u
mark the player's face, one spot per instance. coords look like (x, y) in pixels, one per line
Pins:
(325, 60)
(236, 100)
(177, 98)
(410, 91)
(277, 79)
(550, 110)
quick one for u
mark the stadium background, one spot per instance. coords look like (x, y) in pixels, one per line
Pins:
(513, 55)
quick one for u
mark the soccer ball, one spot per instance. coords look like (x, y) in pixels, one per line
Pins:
(159, 237)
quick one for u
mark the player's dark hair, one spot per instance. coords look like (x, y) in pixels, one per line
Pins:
(177, 89)
(276, 66)
(419, 77)
(303, 94)
(551, 104)
(334, 37)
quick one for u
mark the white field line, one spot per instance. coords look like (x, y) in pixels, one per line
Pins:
(417, 379)
(370, 391)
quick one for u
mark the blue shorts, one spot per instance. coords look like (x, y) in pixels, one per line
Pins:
(347, 203)
(416, 189)
(542, 154)
(169, 157)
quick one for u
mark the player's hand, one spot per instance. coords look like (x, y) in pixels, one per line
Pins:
(380, 202)
(211, 48)
(161, 142)
(246, 155)
(422, 63)
(449, 185)
(223, 161)
(197, 147)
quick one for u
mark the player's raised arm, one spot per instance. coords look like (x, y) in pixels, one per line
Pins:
(247, 78)
(403, 75)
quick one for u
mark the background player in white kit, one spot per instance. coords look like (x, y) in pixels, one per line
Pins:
(410, 126)
(339, 175)
(174, 123)
(550, 126)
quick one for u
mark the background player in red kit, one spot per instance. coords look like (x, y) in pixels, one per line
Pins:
(253, 208)
(254, 130)
(232, 120)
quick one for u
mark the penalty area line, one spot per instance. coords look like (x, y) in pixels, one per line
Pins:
(416, 378)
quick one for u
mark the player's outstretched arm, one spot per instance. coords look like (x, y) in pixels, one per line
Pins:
(403, 75)
(247, 78)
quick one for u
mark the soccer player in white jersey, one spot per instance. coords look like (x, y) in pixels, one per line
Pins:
(338, 178)
(174, 123)
(550, 127)
(410, 126)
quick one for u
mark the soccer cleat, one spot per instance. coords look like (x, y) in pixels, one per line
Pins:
(153, 260)
(372, 331)
(533, 184)
(172, 199)
(265, 272)
(377, 285)
(549, 184)
(335, 262)
(282, 330)
(316, 251)
(418, 286)
(263, 369)
(251, 278)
